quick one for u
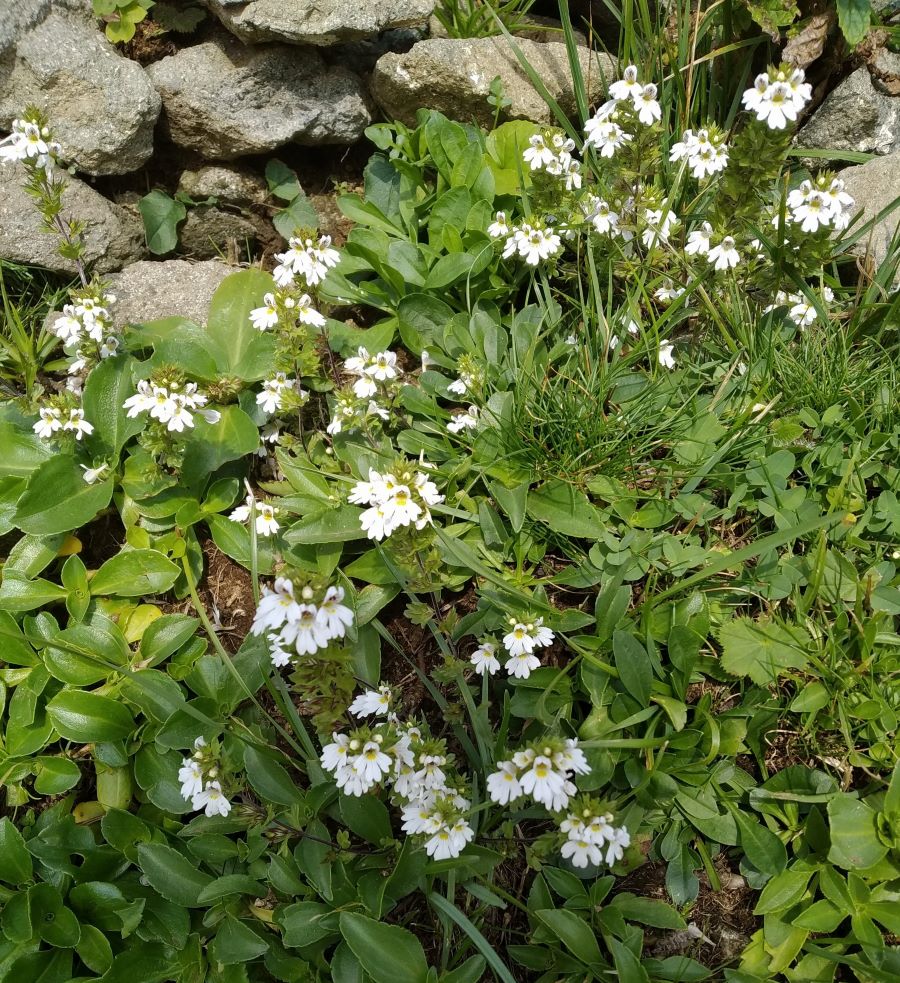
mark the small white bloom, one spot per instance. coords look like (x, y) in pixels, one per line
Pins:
(666, 355)
(212, 800)
(628, 86)
(265, 317)
(724, 256)
(503, 785)
(191, 777)
(484, 659)
(648, 109)
(372, 702)
(92, 475)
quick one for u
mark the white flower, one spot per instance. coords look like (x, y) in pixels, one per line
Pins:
(658, 222)
(617, 845)
(464, 421)
(525, 637)
(191, 777)
(427, 489)
(484, 659)
(307, 314)
(603, 218)
(270, 397)
(142, 401)
(543, 783)
(333, 616)
(276, 606)
(371, 763)
(461, 385)
(305, 634)
(109, 347)
(668, 293)
(212, 800)
(265, 317)
(371, 702)
(665, 355)
(78, 424)
(50, 421)
(648, 109)
(685, 148)
(725, 255)
(813, 212)
(628, 86)
(503, 785)
(581, 853)
(382, 367)
(67, 327)
(754, 97)
(335, 754)
(522, 664)
(538, 154)
(539, 244)
(606, 135)
(778, 108)
(266, 524)
(92, 475)
(698, 240)
(499, 228)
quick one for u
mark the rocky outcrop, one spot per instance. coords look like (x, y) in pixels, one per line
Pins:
(319, 22)
(113, 236)
(855, 116)
(875, 186)
(150, 290)
(210, 232)
(225, 100)
(454, 76)
(233, 185)
(102, 106)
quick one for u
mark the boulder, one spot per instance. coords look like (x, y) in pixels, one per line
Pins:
(146, 291)
(320, 22)
(102, 106)
(875, 186)
(453, 75)
(113, 236)
(225, 100)
(855, 116)
(233, 185)
(210, 232)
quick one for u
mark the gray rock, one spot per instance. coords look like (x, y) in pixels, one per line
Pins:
(211, 232)
(226, 100)
(113, 236)
(233, 185)
(885, 70)
(102, 106)
(17, 18)
(454, 76)
(855, 116)
(320, 22)
(149, 290)
(875, 186)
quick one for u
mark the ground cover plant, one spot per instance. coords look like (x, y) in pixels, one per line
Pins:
(510, 593)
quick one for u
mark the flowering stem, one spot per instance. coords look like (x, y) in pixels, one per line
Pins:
(226, 658)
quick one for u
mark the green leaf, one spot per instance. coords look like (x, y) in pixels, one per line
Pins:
(94, 949)
(236, 942)
(762, 650)
(173, 875)
(164, 636)
(366, 816)
(647, 911)
(574, 933)
(282, 181)
(388, 953)
(565, 510)
(327, 526)
(230, 885)
(107, 387)
(162, 215)
(854, 18)
(269, 779)
(299, 214)
(135, 573)
(58, 499)
(53, 775)
(633, 666)
(854, 834)
(763, 848)
(89, 718)
(211, 445)
(246, 352)
(15, 860)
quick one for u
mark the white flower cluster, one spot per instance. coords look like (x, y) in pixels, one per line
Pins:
(800, 310)
(722, 256)
(377, 379)
(553, 154)
(705, 154)
(305, 259)
(394, 502)
(171, 404)
(398, 757)
(777, 96)
(587, 833)
(31, 143)
(543, 771)
(299, 626)
(51, 422)
(466, 420)
(296, 308)
(520, 643)
(200, 784)
(604, 130)
(273, 391)
(528, 241)
(87, 316)
(820, 204)
(266, 523)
